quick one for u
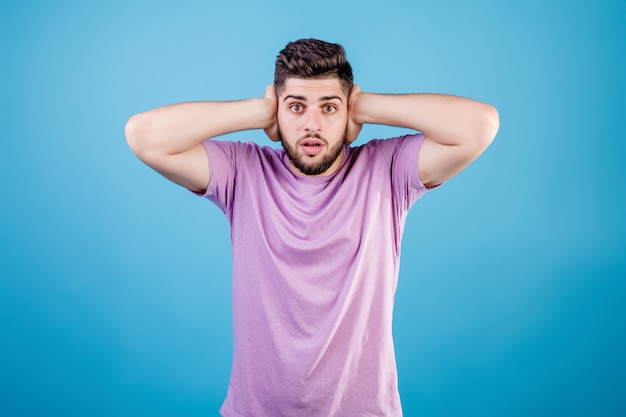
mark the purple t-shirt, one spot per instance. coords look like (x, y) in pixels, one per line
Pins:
(315, 269)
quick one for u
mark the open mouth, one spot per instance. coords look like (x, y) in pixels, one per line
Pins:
(312, 146)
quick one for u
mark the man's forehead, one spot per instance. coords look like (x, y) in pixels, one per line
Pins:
(313, 89)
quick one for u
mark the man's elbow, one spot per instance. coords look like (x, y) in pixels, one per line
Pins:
(487, 127)
(136, 131)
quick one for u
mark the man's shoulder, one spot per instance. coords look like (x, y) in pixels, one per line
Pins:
(387, 144)
(244, 147)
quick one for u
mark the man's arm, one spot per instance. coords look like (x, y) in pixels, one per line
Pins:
(169, 139)
(457, 129)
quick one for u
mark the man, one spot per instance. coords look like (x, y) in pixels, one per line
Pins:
(315, 227)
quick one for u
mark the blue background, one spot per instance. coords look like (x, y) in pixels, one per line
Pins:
(115, 284)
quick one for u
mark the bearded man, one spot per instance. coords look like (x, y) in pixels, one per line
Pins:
(316, 227)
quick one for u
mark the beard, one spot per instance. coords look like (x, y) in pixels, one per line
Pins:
(301, 161)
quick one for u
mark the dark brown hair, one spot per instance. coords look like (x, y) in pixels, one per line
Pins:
(312, 58)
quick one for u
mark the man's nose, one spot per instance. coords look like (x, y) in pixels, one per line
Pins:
(313, 121)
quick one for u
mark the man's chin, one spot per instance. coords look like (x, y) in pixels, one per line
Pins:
(309, 169)
(312, 165)
(323, 162)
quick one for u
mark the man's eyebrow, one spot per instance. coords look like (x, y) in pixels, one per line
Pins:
(302, 98)
(328, 98)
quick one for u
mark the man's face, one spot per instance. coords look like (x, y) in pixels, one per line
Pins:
(312, 119)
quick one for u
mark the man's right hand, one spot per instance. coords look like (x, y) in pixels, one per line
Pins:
(272, 103)
(354, 123)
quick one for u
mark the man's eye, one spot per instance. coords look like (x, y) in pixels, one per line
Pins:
(296, 108)
(329, 108)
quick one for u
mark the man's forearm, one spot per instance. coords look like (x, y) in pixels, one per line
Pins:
(177, 128)
(448, 120)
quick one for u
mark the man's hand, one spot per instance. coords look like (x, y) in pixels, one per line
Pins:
(271, 129)
(354, 123)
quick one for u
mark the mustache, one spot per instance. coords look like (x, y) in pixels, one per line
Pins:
(314, 135)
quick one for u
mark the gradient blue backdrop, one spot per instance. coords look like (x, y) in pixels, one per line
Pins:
(115, 284)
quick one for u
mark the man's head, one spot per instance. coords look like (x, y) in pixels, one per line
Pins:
(312, 82)
(313, 59)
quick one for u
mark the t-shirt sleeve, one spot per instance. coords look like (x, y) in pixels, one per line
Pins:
(404, 153)
(223, 158)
